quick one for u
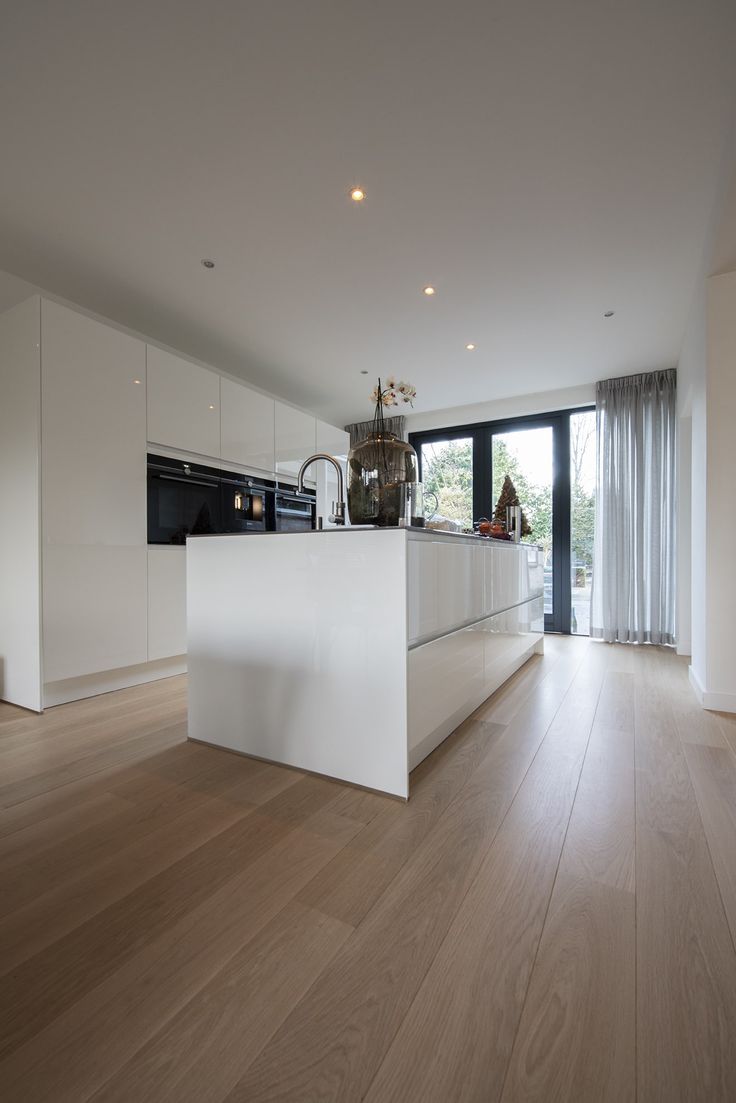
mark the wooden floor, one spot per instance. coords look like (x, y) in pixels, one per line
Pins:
(550, 918)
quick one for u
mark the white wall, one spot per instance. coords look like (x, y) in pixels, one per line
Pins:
(543, 402)
(20, 415)
(706, 395)
(691, 480)
(720, 516)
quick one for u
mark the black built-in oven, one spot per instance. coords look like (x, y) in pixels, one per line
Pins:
(189, 499)
(295, 512)
(183, 500)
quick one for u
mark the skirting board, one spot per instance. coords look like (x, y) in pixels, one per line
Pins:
(92, 685)
(715, 702)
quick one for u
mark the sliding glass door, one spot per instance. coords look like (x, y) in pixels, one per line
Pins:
(550, 459)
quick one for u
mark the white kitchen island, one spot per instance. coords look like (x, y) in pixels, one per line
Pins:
(353, 652)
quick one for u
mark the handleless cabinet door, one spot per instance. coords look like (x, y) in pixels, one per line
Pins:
(93, 402)
(93, 447)
(247, 423)
(296, 438)
(183, 404)
(94, 609)
(167, 602)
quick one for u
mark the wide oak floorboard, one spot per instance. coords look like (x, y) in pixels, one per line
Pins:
(577, 1036)
(686, 967)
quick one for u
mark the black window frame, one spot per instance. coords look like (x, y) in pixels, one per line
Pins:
(481, 433)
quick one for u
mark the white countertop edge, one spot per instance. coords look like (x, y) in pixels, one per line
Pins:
(413, 531)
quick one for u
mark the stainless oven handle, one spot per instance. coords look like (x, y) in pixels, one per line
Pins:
(181, 479)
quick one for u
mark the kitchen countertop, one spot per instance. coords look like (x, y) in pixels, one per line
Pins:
(414, 530)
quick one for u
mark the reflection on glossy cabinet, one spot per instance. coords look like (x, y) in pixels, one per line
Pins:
(93, 388)
(247, 425)
(183, 404)
(296, 438)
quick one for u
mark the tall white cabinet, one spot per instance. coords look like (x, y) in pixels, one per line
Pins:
(93, 506)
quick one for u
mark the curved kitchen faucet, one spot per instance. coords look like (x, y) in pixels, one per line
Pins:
(339, 515)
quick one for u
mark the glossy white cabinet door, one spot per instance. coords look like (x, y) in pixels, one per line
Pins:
(460, 568)
(452, 675)
(94, 609)
(183, 404)
(296, 438)
(167, 602)
(423, 590)
(93, 431)
(247, 426)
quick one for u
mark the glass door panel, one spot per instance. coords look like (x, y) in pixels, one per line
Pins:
(447, 471)
(526, 455)
(582, 517)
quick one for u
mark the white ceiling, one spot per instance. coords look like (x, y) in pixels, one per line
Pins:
(540, 162)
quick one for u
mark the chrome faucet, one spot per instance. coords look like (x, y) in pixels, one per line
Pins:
(338, 518)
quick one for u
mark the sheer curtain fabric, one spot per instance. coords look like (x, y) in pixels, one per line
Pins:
(633, 598)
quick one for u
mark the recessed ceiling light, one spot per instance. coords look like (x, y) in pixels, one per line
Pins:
(363, 371)
(208, 263)
(357, 194)
(429, 290)
(136, 380)
(470, 347)
(609, 314)
(212, 407)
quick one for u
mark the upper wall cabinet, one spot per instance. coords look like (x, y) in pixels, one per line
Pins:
(247, 423)
(296, 438)
(93, 401)
(183, 404)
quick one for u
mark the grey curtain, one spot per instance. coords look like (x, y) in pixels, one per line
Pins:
(359, 430)
(633, 598)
